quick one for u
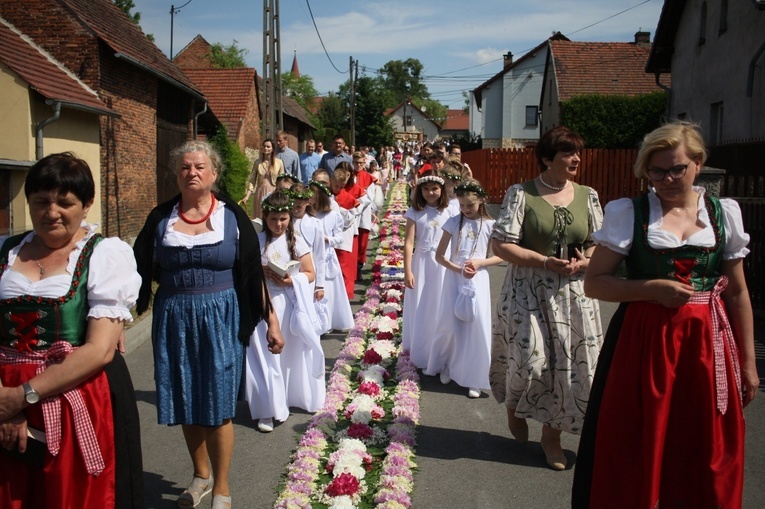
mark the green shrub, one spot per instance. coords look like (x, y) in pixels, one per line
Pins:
(236, 167)
(614, 121)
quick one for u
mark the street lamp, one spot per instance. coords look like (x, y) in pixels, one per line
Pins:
(173, 11)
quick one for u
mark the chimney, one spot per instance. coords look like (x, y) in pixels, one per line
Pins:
(643, 38)
(508, 59)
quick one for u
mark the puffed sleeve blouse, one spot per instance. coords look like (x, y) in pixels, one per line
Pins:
(509, 224)
(113, 280)
(619, 221)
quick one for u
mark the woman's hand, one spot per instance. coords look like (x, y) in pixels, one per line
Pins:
(276, 278)
(470, 269)
(671, 294)
(579, 263)
(750, 382)
(558, 265)
(14, 432)
(11, 402)
(409, 280)
(274, 339)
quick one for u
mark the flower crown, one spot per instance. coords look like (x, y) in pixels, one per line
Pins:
(286, 176)
(451, 176)
(430, 178)
(267, 207)
(321, 186)
(299, 195)
(470, 187)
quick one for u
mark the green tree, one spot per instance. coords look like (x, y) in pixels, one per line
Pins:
(300, 88)
(373, 127)
(613, 121)
(126, 6)
(333, 119)
(236, 168)
(401, 79)
(227, 57)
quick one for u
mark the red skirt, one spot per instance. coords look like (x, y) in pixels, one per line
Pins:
(656, 435)
(63, 481)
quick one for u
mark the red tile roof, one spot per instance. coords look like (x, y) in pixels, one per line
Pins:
(456, 120)
(123, 36)
(607, 68)
(227, 91)
(44, 74)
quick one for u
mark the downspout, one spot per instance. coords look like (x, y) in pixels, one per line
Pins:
(196, 119)
(750, 84)
(41, 125)
(666, 89)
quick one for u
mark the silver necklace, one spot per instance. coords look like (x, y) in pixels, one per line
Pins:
(42, 268)
(554, 188)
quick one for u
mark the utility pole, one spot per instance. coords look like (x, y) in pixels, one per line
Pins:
(353, 79)
(273, 118)
(173, 11)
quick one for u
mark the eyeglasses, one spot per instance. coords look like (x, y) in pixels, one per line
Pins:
(676, 172)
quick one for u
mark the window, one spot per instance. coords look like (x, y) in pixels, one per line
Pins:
(703, 24)
(716, 123)
(532, 116)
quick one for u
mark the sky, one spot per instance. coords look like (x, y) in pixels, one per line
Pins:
(459, 43)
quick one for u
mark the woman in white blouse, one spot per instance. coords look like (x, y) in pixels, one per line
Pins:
(65, 293)
(665, 423)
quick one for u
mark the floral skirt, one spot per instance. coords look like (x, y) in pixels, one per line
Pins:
(546, 337)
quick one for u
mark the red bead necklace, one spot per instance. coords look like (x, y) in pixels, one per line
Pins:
(204, 219)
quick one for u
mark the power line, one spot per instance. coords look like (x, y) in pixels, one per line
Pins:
(320, 40)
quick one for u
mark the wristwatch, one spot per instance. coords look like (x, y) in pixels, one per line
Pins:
(30, 395)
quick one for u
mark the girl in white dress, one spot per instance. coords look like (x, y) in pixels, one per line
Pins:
(424, 222)
(338, 307)
(452, 176)
(296, 377)
(463, 345)
(311, 230)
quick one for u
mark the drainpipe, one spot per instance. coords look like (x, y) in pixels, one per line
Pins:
(666, 89)
(196, 119)
(41, 125)
(752, 65)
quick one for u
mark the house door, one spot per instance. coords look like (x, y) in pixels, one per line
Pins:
(169, 136)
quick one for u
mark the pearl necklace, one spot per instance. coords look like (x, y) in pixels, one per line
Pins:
(554, 188)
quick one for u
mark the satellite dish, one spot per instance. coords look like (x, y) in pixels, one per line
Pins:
(423, 109)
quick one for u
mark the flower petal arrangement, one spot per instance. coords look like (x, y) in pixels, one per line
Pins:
(358, 449)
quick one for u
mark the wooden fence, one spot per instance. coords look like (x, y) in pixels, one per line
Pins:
(608, 171)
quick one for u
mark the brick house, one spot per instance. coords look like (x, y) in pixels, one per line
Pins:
(585, 68)
(240, 112)
(46, 110)
(155, 101)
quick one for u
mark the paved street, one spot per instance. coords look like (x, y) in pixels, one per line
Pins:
(464, 454)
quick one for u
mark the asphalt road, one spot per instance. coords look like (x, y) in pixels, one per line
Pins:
(465, 456)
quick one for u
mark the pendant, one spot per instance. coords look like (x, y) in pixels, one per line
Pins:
(42, 271)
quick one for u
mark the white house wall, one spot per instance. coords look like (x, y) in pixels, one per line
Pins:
(523, 87)
(718, 70)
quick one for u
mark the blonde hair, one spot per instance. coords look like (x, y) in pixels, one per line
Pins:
(670, 136)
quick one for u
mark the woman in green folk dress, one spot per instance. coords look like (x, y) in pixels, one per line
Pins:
(546, 334)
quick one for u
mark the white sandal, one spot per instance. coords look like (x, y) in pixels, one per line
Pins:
(221, 502)
(197, 490)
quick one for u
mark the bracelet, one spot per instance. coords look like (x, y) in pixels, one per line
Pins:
(544, 262)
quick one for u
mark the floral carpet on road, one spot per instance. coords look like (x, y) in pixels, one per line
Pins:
(358, 451)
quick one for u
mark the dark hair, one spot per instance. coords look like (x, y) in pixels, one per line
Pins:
(557, 139)
(323, 201)
(273, 150)
(418, 201)
(64, 173)
(280, 199)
